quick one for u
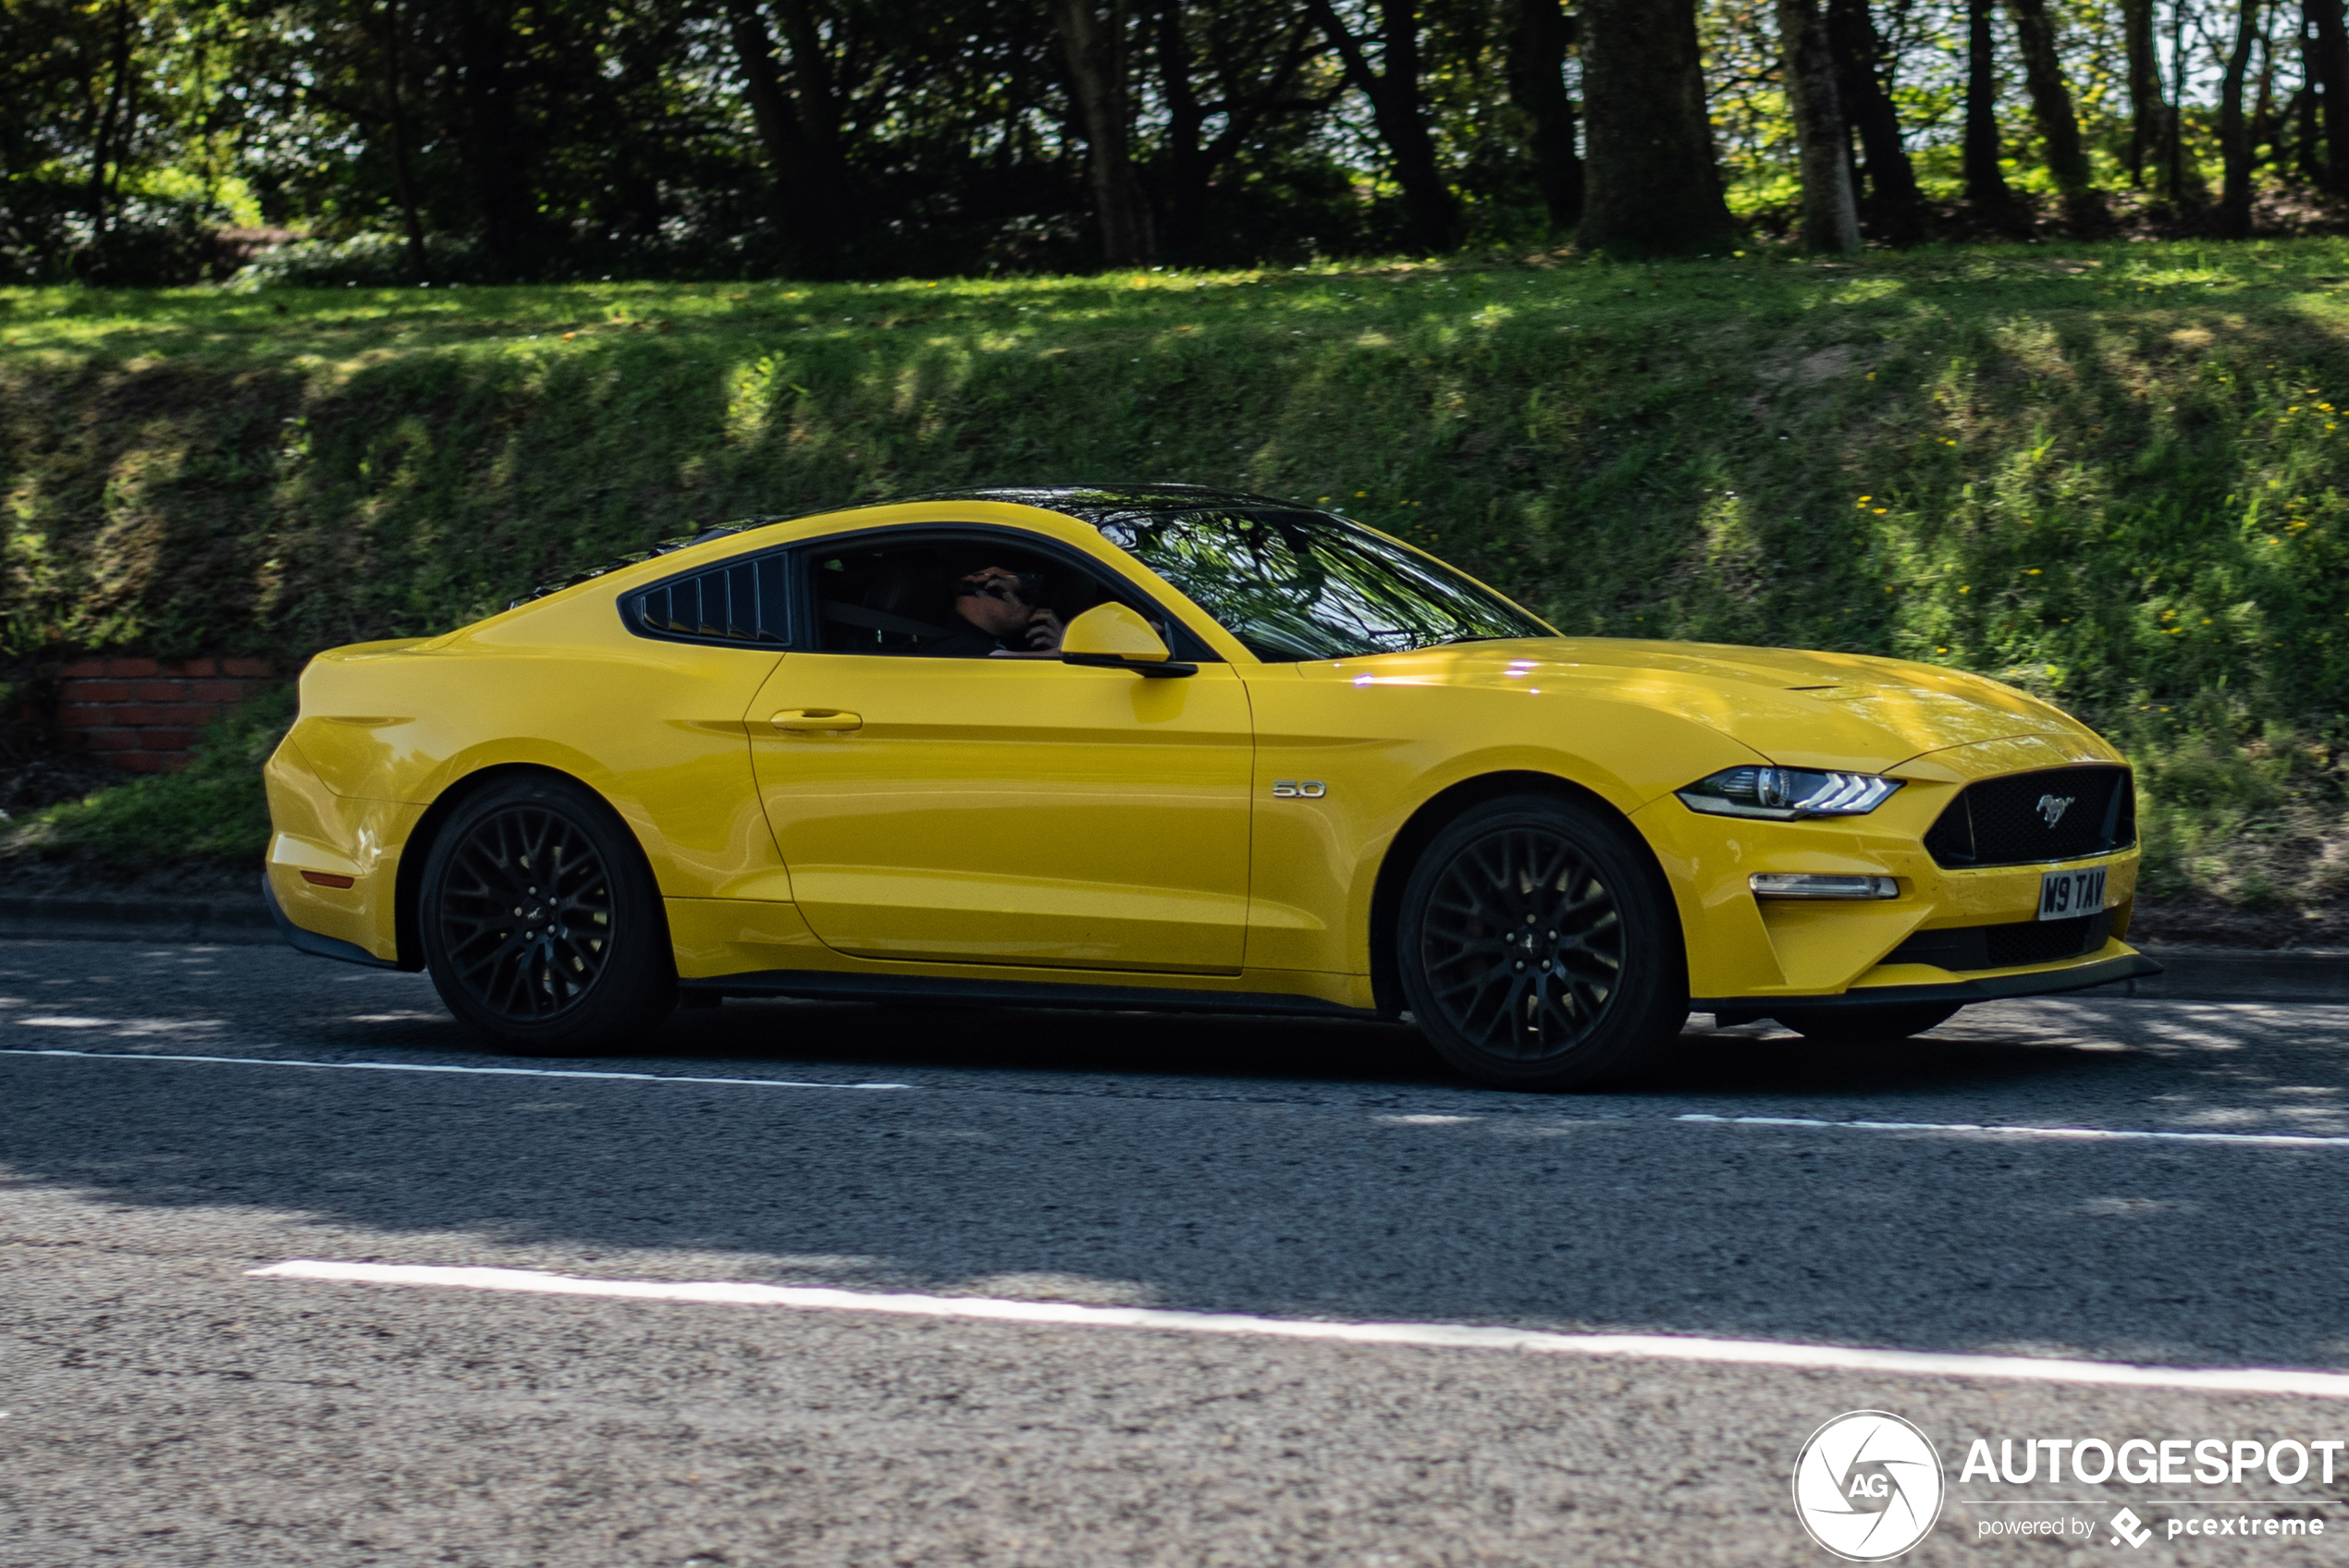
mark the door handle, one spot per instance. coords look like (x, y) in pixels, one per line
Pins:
(810, 721)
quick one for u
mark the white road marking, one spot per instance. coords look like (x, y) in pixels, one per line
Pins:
(2076, 1134)
(1654, 1347)
(434, 1066)
(2091, 1134)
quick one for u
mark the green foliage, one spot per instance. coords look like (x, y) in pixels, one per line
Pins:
(213, 808)
(2113, 474)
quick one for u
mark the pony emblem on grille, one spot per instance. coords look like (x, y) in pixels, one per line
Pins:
(2052, 807)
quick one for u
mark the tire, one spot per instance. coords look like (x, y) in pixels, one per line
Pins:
(595, 975)
(1867, 1025)
(1603, 985)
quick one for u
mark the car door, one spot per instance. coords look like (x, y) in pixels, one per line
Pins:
(1002, 810)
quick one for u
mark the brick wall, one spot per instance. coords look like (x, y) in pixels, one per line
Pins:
(143, 715)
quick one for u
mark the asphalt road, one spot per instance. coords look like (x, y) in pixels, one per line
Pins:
(164, 1407)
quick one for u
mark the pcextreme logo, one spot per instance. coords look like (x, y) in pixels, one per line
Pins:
(1868, 1485)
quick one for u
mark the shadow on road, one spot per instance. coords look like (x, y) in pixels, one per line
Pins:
(1289, 1169)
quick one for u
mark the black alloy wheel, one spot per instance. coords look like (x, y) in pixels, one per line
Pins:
(1866, 1025)
(1538, 947)
(541, 927)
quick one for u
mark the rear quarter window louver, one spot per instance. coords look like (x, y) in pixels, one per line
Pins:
(744, 603)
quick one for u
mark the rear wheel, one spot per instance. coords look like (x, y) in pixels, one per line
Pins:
(541, 924)
(1539, 949)
(1866, 1025)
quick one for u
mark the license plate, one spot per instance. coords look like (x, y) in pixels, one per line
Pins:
(2066, 895)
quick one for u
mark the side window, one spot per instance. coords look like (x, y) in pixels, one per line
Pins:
(944, 597)
(746, 601)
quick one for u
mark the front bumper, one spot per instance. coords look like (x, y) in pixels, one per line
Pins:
(1747, 955)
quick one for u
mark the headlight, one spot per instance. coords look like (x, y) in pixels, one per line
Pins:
(1784, 794)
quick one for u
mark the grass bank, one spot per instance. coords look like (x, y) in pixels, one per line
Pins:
(2114, 474)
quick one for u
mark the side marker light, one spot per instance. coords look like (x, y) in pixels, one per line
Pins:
(1808, 885)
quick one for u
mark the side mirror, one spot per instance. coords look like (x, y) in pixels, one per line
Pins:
(1113, 637)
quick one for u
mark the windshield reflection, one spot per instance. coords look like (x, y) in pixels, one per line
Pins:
(1294, 585)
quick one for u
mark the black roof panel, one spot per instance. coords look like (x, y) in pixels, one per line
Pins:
(1092, 501)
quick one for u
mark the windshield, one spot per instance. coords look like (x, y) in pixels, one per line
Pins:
(1294, 585)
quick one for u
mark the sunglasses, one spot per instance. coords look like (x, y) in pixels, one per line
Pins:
(1021, 589)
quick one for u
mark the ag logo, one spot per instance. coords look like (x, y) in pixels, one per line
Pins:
(1868, 1485)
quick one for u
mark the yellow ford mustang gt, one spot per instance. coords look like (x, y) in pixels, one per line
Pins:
(1161, 746)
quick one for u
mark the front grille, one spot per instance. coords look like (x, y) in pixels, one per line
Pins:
(2006, 947)
(2004, 821)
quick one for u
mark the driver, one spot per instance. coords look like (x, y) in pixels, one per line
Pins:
(997, 616)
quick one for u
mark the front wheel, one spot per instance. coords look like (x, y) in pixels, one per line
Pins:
(1866, 1025)
(541, 924)
(1539, 947)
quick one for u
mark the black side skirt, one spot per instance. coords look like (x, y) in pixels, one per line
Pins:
(1997, 988)
(820, 986)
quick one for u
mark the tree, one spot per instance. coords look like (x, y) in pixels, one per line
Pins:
(1540, 35)
(2234, 136)
(118, 115)
(2328, 58)
(1399, 109)
(1894, 207)
(1986, 181)
(811, 214)
(1652, 182)
(1095, 55)
(1830, 218)
(497, 153)
(2148, 113)
(1252, 56)
(2050, 99)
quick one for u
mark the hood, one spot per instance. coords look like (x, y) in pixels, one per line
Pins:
(1849, 711)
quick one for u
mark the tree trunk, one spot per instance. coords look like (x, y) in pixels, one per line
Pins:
(1395, 109)
(2303, 114)
(819, 104)
(2147, 113)
(2332, 77)
(2173, 127)
(2050, 98)
(808, 223)
(1540, 35)
(1187, 164)
(1651, 180)
(1096, 56)
(105, 157)
(493, 150)
(404, 177)
(1830, 217)
(1894, 207)
(2234, 138)
(1986, 182)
